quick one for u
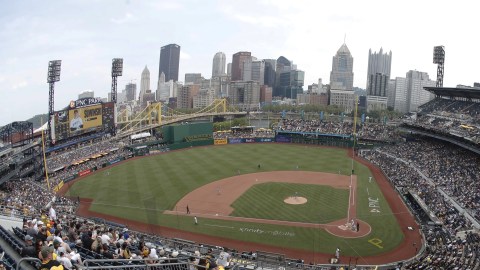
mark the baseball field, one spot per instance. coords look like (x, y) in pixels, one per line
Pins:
(284, 198)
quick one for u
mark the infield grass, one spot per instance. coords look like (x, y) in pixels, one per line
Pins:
(141, 189)
(324, 203)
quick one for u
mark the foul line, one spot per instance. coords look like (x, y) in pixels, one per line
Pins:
(353, 190)
(213, 225)
(349, 198)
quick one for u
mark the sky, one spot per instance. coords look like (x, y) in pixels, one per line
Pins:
(87, 34)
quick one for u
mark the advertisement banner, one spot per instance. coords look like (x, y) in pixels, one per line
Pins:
(68, 179)
(82, 173)
(234, 140)
(249, 140)
(83, 119)
(114, 161)
(264, 139)
(283, 138)
(220, 141)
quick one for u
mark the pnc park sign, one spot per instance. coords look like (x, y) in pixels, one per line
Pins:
(84, 102)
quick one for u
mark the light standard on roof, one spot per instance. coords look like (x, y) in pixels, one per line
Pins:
(54, 68)
(117, 69)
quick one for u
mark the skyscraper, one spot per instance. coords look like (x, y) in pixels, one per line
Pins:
(269, 73)
(166, 90)
(193, 78)
(378, 63)
(131, 91)
(238, 61)
(409, 92)
(258, 71)
(244, 95)
(341, 77)
(378, 85)
(229, 69)
(341, 80)
(144, 83)
(169, 62)
(416, 81)
(282, 65)
(290, 84)
(218, 67)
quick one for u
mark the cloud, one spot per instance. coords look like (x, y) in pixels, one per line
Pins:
(129, 17)
(249, 16)
(19, 85)
(2, 79)
(264, 21)
(164, 5)
(184, 55)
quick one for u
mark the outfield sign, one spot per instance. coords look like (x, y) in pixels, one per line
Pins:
(114, 161)
(68, 179)
(234, 140)
(248, 140)
(264, 139)
(82, 173)
(220, 141)
(283, 138)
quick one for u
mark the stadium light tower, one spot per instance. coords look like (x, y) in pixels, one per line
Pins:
(439, 58)
(117, 69)
(54, 68)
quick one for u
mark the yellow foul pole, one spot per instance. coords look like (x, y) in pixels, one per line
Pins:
(355, 122)
(45, 159)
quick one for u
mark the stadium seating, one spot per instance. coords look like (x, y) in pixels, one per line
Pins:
(435, 160)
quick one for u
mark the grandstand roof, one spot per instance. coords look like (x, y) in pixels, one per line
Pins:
(455, 92)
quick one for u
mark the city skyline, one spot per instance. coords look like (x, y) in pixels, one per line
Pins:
(306, 32)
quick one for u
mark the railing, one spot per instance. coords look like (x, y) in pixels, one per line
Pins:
(31, 260)
(11, 212)
(135, 264)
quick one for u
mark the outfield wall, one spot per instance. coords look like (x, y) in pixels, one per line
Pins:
(187, 132)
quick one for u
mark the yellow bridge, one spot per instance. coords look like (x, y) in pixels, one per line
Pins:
(156, 115)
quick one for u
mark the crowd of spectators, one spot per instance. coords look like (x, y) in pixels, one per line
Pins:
(460, 109)
(453, 170)
(29, 196)
(450, 117)
(446, 252)
(66, 157)
(369, 131)
(318, 126)
(70, 171)
(406, 177)
(456, 172)
(54, 234)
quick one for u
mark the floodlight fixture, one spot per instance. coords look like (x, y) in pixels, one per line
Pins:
(54, 68)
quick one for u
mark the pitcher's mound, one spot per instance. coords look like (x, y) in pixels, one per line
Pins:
(295, 200)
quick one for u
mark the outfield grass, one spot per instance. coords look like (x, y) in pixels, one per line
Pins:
(142, 188)
(324, 203)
